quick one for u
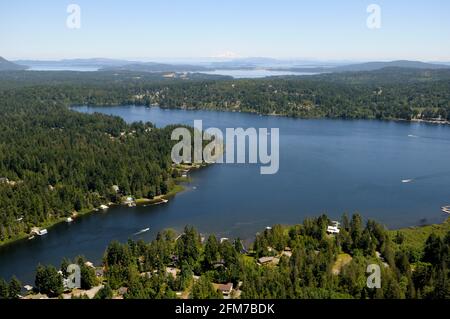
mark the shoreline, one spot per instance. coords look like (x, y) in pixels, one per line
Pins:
(252, 112)
(177, 188)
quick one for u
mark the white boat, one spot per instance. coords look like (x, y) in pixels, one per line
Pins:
(103, 207)
(69, 220)
(446, 209)
(405, 181)
(42, 232)
(31, 237)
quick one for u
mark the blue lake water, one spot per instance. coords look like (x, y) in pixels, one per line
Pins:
(254, 74)
(326, 166)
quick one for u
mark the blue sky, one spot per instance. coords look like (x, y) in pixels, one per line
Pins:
(151, 29)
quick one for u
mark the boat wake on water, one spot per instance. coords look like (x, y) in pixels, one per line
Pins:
(141, 231)
(426, 177)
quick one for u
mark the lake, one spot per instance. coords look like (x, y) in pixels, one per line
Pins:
(254, 73)
(326, 166)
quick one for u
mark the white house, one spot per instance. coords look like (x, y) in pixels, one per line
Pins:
(333, 230)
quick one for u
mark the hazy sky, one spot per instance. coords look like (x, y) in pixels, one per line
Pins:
(315, 29)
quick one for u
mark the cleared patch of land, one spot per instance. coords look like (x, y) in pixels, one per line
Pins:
(341, 261)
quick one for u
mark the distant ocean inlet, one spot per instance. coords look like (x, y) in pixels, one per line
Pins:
(394, 172)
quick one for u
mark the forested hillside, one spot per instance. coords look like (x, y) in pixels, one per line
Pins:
(54, 161)
(391, 93)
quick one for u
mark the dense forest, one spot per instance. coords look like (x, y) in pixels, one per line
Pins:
(299, 262)
(390, 93)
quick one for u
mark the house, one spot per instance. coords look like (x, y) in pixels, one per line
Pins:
(116, 188)
(28, 287)
(333, 230)
(224, 239)
(335, 224)
(225, 289)
(89, 264)
(4, 180)
(129, 201)
(268, 260)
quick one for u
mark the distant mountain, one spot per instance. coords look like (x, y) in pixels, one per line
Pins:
(369, 66)
(94, 63)
(156, 67)
(6, 65)
(373, 66)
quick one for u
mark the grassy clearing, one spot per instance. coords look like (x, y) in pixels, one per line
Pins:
(341, 261)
